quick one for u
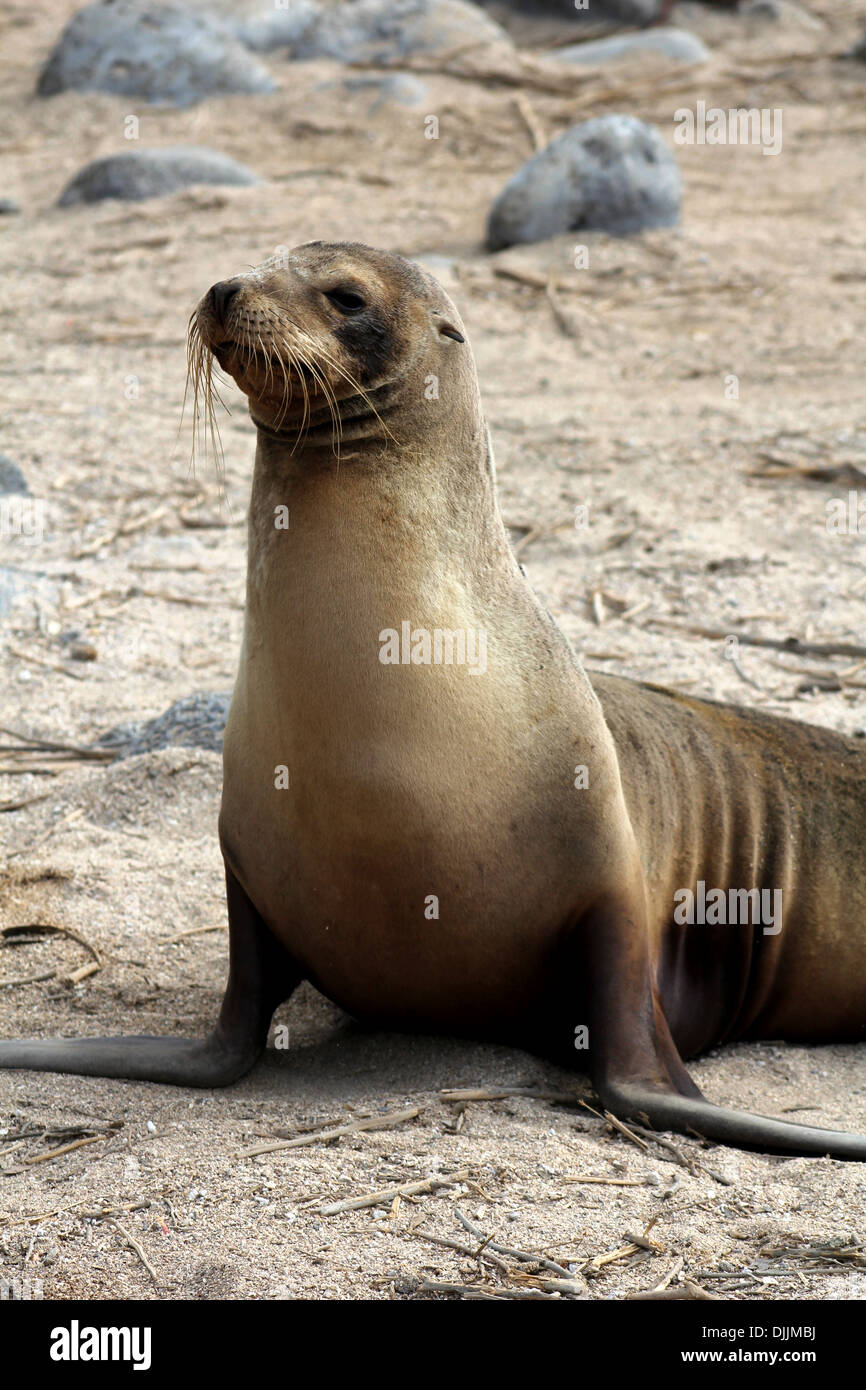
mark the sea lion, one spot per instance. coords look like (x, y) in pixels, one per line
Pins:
(429, 810)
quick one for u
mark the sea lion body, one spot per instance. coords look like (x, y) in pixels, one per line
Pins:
(733, 796)
(495, 846)
(397, 794)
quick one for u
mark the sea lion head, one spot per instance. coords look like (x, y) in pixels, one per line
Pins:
(331, 341)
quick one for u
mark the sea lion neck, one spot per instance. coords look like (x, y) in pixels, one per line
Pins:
(412, 467)
(407, 505)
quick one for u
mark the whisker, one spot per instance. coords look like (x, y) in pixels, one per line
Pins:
(199, 388)
(303, 363)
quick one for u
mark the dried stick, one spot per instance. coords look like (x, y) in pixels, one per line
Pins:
(136, 1246)
(524, 1256)
(778, 644)
(685, 1291)
(324, 1136)
(406, 1189)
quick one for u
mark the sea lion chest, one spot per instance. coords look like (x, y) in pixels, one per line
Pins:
(411, 832)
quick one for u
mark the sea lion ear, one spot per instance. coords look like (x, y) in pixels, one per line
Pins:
(444, 327)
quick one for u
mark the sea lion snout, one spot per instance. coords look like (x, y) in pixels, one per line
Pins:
(220, 297)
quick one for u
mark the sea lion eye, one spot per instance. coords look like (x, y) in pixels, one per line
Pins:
(347, 301)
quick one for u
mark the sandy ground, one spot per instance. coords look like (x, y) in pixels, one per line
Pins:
(615, 397)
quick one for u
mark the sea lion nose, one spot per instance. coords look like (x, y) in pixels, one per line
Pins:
(221, 295)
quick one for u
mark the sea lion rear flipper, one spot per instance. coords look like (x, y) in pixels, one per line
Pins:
(686, 1114)
(261, 976)
(636, 1068)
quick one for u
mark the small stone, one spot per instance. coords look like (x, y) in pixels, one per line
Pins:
(196, 721)
(12, 584)
(12, 480)
(632, 11)
(441, 266)
(82, 651)
(399, 87)
(139, 174)
(131, 1169)
(598, 11)
(761, 9)
(614, 174)
(8, 207)
(676, 44)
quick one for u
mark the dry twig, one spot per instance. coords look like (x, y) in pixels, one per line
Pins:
(405, 1189)
(325, 1136)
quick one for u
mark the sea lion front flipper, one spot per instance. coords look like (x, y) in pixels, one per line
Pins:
(261, 976)
(636, 1068)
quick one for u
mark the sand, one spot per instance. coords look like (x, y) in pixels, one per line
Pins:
(614, 396)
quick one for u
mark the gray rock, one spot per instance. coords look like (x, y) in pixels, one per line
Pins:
(11, 585)
(676, 44)
(138, 174)
(613, 174)
(196, 721)
(400, 87)
(157, 52)
(858, 51)
(631, 11)
(380, 31)
(8, 207)
(438, 264)
(597, 11)
(11, 478)
(261, 24)
(761, 9)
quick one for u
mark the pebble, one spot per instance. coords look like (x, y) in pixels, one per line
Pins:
(139, 174)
